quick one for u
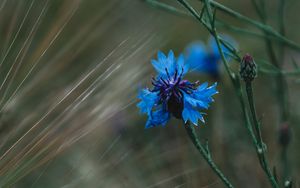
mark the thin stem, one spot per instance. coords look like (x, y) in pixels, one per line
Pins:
(253, 112)
(261, 147)
(280, 80)
(266, 28)
(281, 86)
(274, 35)
(198, 17)
(238, 91)
(245, 114)
(258, 9)
(205, 153)
(257, 139)
(281, 11)
(168, 8)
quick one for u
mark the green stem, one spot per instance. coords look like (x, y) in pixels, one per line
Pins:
(280, 80)
(233, 78)
(282, 90)
(176, 11)
(245, 115)
(281, 10)
(206, 154)
(257, 139)
(253, 112)
(167, 7)
(274, 35)
(266, 28)
(285, 73)
(260, 144)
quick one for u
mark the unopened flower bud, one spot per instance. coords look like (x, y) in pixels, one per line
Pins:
(284, 135)
(248, 69)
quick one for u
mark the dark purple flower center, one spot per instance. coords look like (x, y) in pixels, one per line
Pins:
(171, 91)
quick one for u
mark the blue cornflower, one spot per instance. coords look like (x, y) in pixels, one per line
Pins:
(206, 59)
(171, 95)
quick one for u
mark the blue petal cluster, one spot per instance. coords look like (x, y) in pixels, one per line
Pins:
(206, 59)
(171, 95)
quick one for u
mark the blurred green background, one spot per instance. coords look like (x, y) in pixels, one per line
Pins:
(70, 73)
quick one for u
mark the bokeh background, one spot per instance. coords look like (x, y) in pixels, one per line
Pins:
(70, 73)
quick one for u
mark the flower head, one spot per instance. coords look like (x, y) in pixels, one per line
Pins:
(172, 95)
(206, 59)
(248, 68)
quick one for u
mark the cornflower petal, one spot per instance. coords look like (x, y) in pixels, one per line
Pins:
(161, 57)
(159, 67)
(206, 59)
(181, 65)
(172, 95)
(148, 100)
(195, 55)
(158, 117)
(189, 113)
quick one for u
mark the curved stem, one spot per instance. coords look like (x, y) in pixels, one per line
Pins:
(260, 144)
(206, 154)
